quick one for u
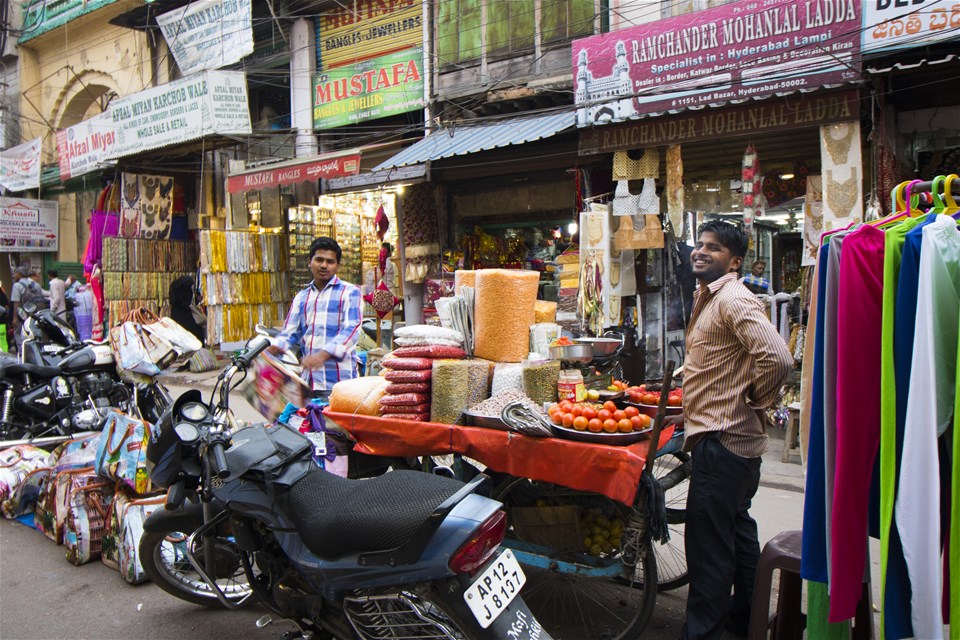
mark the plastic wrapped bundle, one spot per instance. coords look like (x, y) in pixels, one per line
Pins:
(458, 384)
(504, 311)
(359, 395)
(463, 278)
(545, 311)
(507, 376)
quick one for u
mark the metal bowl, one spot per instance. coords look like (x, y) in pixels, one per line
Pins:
(489, 422)
(572, 353)
(601, 347)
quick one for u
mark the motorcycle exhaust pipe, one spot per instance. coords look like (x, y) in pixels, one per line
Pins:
(39, 442)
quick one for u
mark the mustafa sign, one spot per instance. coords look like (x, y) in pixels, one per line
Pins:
(747, 49)
(792, 112)
(208, 34)
(322, 167)
(894, 24)
(363, 29)
(377, 88)
(180, 111)
(20, 166)
(28, 225)
(85, 147)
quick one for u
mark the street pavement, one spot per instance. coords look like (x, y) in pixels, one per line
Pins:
(42, 596)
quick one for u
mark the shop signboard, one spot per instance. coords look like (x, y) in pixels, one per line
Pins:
(376, 88)
(322, 167)
(20, 166)
(85, 147)
(351, 32)
(896, 24)
(751, 118)
(737, 51)
(186, 109)
(28, 225)
(208, 34)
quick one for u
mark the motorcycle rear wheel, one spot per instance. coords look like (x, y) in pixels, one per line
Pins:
(164, 559)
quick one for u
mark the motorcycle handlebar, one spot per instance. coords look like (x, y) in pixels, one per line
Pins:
(218, 461)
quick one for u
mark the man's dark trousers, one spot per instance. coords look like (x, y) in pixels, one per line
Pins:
(721, 540)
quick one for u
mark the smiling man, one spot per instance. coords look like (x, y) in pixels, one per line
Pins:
(325, 320)
(736, 363)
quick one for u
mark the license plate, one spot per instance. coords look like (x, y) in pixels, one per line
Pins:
(495, 589)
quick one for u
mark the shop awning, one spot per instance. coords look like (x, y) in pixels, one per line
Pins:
(330, 165)
(464, 139)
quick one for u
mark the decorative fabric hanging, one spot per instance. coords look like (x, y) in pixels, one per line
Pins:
(382, 299)
(675, 186)
(382, 222)
(752, 187)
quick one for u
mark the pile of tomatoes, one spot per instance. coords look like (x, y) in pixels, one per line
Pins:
(585, 416)
(641, 395)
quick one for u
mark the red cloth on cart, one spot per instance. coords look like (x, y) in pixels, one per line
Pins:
(613, 471)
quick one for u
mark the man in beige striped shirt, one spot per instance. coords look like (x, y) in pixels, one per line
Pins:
(735, 364)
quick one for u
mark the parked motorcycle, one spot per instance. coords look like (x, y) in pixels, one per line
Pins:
(406, 554)
(60, 386)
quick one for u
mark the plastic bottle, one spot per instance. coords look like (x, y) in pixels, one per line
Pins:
(570, 386)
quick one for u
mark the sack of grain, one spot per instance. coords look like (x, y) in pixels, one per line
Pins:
(408, 387)
(545, 311)
(507, 376)
(463, 278)
(386, 409)
(504, 311)
(430, 351)
(405, 399)
(422, 375)
(458, 384)
(428, 332)
(359, 395)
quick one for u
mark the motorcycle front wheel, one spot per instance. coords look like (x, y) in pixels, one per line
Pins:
(164, 559)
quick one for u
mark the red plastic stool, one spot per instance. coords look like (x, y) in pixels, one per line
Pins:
(783, 552)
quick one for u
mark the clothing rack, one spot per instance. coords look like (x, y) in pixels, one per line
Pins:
(928, 186)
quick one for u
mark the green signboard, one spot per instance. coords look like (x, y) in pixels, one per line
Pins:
(375, 88)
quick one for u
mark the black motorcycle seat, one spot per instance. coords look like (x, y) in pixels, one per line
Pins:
(19, 368)
(336, 517)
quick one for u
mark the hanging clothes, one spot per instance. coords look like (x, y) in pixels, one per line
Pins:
(929, 405)
(895, 615)
(859, 319)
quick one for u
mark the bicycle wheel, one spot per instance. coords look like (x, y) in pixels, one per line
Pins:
(573, 606)
(673, 471)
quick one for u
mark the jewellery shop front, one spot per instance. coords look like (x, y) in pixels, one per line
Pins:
(273, 211)
(761, 163)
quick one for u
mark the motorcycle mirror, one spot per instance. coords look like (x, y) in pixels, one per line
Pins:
(29, 308)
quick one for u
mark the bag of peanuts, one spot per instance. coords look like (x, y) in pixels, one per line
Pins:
(423, 375)
(408, 387)
(405, 398)
(405, 408)
(503, 313)
(429, 351)
(406, 363)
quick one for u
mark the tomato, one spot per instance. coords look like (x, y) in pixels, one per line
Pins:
(553, 409)
(568, 419)
(557, 417)
(577, 410)
(580, 423)
(630, 412)
(603, 414)
(595, 425)
(610, 426)
(624, 426)
(609, 406)
(675, 401)
(589, 413)
(647, 420)
(619, 415)
(636, 422)
(566, 405)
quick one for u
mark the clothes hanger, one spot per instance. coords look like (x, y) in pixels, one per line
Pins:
(939, 206)
(952, 208)
(899, 197)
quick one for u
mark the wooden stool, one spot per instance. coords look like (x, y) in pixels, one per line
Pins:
(791, 443)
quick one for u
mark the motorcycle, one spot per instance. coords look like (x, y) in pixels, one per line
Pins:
(406, 554)
(59, 386)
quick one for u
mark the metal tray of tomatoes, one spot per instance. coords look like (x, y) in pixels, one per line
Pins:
(602, 437)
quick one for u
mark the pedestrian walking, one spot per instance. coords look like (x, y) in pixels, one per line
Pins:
(325, 321)
(58, 290)
(736, 363)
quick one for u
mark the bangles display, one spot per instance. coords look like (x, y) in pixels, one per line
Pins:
(132, 254)
(241, 252)
(235, 322)
(139, 285)
(244, 288)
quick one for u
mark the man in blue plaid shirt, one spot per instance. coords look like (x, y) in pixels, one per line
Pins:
(755, 281)
(325, 320)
